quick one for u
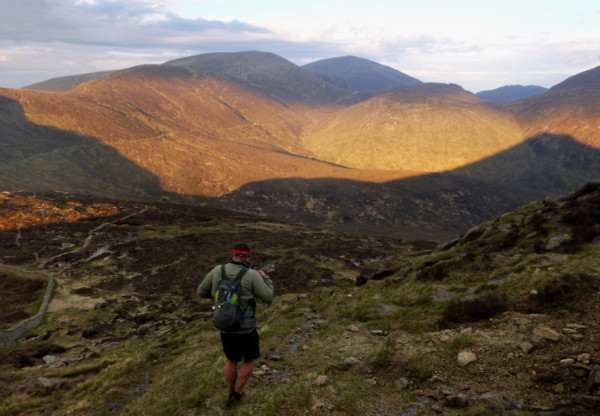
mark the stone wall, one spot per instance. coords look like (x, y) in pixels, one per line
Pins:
(10, 335)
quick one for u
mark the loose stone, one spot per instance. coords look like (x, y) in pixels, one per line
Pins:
(465, 358)
(547, 333)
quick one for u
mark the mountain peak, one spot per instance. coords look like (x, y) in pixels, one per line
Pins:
(268, 73)
(360, 74)
(237, 64)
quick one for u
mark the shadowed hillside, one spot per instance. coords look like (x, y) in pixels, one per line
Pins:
(548, 163)
(42, 158)
(435, 207)
(571, 107)
(248, 131)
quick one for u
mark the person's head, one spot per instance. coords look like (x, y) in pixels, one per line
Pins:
(241, 252)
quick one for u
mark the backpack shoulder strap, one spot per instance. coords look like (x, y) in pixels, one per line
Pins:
(241, 273)
(238, 277)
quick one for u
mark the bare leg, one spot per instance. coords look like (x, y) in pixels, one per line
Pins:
(244, 374)
(231, 374)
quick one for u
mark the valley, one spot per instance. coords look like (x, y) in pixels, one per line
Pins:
(432, 252)
(244, 131)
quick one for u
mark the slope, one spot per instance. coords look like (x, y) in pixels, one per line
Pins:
(201, 135)
(43, 158)
(571, 107)
(427, 127)
(217, 126)
(502, 321)
(434, 207)
(66, 83)
(548, 163)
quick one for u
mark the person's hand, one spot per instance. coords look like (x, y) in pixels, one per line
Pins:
(261, 272)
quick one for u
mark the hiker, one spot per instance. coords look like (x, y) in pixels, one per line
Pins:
(241, 343)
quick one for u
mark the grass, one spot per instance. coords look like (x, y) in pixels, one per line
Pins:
(170, 232)
(415, 320)
(412, 293)
(180, 371)
(520, 284)
(381, 358)
(273, 401)
(460, 343)
(136, 376)
(420, 367)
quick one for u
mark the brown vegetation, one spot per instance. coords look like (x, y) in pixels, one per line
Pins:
(205, 134)
(385, 322)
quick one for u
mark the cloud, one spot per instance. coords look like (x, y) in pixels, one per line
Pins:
(41, 39)
(109, 23)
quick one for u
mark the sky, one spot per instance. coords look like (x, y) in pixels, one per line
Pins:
(477, 44)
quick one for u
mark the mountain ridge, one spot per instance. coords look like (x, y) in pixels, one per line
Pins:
(508, 93)
(201, 131)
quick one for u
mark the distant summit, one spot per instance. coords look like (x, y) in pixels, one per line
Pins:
(66, 83)
(360, 74)
(270, 74)
(510, 93)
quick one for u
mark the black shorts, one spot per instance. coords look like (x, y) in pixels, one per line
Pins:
(241, 346)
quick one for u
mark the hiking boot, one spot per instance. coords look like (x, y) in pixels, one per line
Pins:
(234, 398)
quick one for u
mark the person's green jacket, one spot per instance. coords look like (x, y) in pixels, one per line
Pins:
(254, 287)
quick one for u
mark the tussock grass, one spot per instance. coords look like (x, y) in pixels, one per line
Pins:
(520, 284)
(420, 367)
(460, 343)
(381, 358)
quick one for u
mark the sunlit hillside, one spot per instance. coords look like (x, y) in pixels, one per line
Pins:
(260, 134)
(569, 108)
(428, 127)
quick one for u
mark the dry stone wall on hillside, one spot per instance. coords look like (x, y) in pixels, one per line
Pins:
(12, 334)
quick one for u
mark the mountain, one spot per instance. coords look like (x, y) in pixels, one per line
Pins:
(197, 134)
(239, 131)
(359, 74)
(269, 74)
(571, 107)
(552, 163)
(44, 158)
(425, 127)
(510, 93)
(62, 84)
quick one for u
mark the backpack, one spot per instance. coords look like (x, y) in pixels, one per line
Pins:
(228, 314)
